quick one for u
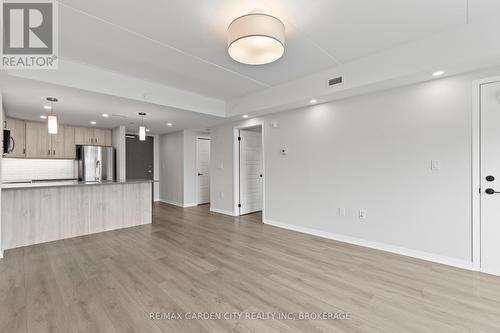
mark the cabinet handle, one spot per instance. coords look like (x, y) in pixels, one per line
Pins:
(54, 152)
(95, 140)
(49, 152)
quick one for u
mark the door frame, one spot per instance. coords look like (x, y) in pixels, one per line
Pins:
(476, 170)
(202, 137)
(236, 167)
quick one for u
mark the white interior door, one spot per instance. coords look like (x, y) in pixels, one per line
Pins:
(250, 171)
(490, 178)
(203, 167)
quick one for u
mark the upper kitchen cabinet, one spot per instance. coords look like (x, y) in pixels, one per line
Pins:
(18, 134)
(84, 136)
(92, 136)
(38, 141)
(99, 137)
(63, 143)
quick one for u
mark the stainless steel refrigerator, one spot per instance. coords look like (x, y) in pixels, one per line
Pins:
(95, 163)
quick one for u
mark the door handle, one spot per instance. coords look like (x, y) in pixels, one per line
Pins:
(490, 191)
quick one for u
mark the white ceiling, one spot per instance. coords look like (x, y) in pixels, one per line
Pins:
(25, 99)
(183, 43)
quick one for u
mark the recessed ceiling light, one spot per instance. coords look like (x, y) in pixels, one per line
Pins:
(43, 116)
(147, 129)
(313, 101)
(47, 107)
(438, 73)
(93, 122)
(256, 39)
(245, 116)
(170, 124)
(105, 115)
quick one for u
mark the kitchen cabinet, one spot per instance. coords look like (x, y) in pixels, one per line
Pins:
(92, 136)
(18, 133)
(108, 138)
(84, 136)
(38, 141)
(99, 136)
(63, 143)
(32, 139)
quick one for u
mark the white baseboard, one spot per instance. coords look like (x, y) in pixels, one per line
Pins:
(222, 211)
(378, 246)
(178, 204)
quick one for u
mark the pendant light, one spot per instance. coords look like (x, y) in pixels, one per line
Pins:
(52, 119)
(142, 129)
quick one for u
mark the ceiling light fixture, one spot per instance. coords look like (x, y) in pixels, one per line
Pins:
(142, 129)
(313, 101)
(93, 122)
(438, 73)
(147, 129)
(256, 39)
(105, 115)
(52, 119)
(47, 107)
(245, 116)
(43, 116)
(170, 124)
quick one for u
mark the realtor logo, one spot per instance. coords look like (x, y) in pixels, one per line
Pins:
(29, 34)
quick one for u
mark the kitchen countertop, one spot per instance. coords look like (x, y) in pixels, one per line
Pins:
(70, 182)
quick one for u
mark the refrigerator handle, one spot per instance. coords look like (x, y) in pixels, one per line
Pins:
(98, 170)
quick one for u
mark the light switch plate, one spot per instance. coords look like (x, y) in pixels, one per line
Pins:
(435, 165)
(341, 211)
(362, 214)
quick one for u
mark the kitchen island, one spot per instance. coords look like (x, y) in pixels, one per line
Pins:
(41, 212)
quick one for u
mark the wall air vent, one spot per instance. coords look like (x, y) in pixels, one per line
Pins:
(335, 81)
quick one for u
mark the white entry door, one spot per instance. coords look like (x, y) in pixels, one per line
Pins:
(250, 171)
(490, 178)
(203, 167)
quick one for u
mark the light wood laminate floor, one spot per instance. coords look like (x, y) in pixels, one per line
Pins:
(191, 260)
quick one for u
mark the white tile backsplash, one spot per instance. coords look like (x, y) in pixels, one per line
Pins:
(14, 169)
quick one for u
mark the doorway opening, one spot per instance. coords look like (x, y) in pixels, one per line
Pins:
(203, 170)
(249, 171)
(139, 158)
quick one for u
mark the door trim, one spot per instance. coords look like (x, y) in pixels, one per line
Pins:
(200, 137)
(476, 171)
(236, 167)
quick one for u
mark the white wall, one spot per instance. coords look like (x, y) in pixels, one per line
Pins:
(178, 174)
(172, 168)
(118, 141)
(372, 152)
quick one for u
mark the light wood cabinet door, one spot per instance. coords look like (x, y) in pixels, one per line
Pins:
(84, 136)
(109, 139)
(63, 143)
(18, 133)
(37, 140)
(99, 137)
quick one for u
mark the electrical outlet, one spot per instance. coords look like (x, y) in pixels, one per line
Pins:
(362, 214)
(341, 211)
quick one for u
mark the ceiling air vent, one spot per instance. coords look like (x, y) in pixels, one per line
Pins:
(335, 81)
